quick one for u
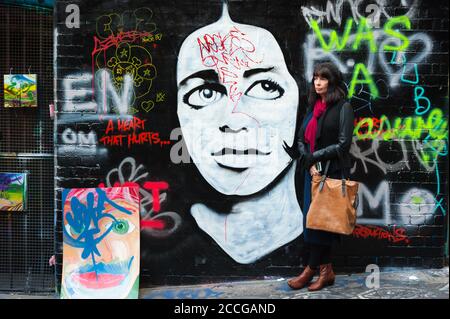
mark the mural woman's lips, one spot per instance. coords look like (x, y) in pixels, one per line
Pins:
(93, 280)
(236, 169)
(232, 151)
(102, 275)
(238, 160)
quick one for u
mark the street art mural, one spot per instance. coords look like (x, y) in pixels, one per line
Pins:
(13, 191)
(101, 243)
(191, 102)
(20, 90)
(230, 79)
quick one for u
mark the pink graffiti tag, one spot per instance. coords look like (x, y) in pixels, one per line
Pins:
(227, 54)
(397, 235)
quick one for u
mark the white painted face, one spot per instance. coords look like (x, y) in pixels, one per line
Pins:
(237, 103)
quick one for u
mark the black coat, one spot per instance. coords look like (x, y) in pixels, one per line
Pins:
(333, 137)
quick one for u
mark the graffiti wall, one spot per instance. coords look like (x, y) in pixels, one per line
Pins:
(192, 101)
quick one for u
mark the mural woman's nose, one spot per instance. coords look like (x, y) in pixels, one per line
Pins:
(236, 122)
(236, 119)
(105, 249)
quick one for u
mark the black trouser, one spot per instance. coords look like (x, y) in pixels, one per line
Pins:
(315, 255)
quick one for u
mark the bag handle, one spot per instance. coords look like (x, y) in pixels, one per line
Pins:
(327, 166)
(324, 176)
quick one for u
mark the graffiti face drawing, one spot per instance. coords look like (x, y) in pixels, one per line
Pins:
(101, 243)
(237, 103)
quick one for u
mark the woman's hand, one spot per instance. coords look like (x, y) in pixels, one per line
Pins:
(307, 161)
(291, 150)
(313, 170)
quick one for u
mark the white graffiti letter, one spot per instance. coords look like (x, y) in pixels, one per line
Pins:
(107, 92)
(381, 197)
(77, 90)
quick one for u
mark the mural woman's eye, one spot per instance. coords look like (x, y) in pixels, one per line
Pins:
(265, 90)
(204, 95)
(120, 227)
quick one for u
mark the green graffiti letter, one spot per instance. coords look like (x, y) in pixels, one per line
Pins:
(364, 33)
(408, 130)
(334, 38)
(385, 128)
(388, 29)
(362, 126)
(360, 67)
(437, 125)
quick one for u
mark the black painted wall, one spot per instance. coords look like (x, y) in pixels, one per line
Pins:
(400, 98)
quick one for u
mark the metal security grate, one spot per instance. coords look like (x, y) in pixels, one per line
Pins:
(26, 144)
(27, 238)
(26, 37)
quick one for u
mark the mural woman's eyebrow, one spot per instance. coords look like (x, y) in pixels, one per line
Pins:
(207, 75)
(251, 72)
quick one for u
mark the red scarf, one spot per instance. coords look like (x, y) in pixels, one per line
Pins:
(311, 128)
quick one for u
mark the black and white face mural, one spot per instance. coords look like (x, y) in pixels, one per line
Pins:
(237, 104)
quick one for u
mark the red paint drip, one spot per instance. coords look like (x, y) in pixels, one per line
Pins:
(153, 224)
(226, 228)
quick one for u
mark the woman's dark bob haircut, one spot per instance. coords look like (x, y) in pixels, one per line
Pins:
(337, 90)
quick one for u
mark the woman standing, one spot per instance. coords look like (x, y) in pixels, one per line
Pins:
(324, 135)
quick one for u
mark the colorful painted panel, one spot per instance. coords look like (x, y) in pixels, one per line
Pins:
(20, 90)
(13, 191)
(101, 243)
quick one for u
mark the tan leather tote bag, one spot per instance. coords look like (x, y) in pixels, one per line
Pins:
(333, 204)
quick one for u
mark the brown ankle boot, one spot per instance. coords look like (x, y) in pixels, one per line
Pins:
(326, 278)
(303, 279)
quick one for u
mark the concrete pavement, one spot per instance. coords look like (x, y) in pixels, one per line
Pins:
(394, 283)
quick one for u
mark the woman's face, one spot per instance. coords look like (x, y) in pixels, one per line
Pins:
(237, 103)
(320, 85)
